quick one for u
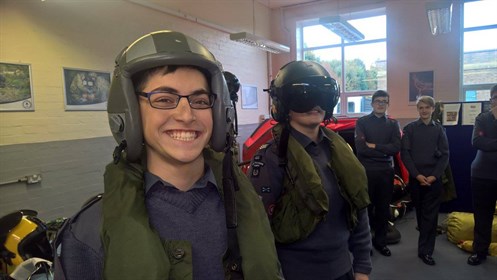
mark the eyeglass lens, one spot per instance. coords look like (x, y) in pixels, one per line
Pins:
(380, 102)
(169, 100)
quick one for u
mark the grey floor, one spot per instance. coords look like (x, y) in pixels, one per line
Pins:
(405, 265)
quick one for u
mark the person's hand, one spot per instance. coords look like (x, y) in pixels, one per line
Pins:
(423, 181)
(431, 179)
(361, 276)
(371, 145)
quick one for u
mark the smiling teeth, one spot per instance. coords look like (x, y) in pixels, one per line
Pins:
(183, 135)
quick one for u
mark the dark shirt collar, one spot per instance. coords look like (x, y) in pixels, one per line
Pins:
(208, 177)
(420, 122)
(383, 117)
(304, 140)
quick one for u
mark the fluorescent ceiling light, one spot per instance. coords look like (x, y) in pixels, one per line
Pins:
(342, 28)
(259, 42)
(439, 16)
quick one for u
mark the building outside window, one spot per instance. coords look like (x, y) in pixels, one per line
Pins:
(479, 51)
(358, 66)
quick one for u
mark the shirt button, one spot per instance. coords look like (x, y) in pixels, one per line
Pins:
(178, 253)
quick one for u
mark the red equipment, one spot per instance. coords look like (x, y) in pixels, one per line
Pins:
(345, 127)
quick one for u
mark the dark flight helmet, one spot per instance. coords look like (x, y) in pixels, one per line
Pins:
(233, 85)
(153, 50)
(300, 86)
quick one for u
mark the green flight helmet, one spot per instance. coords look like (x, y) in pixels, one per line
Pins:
(300, 86)
(153, 50)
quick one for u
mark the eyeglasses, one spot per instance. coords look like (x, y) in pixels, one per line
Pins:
(165, 100)
(493, 99)
(380, 102)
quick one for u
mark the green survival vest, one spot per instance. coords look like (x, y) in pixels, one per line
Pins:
(305, 202)
(133, 250)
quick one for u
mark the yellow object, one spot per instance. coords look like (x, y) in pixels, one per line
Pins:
(460, 227)
(16, 237)
(468, 246)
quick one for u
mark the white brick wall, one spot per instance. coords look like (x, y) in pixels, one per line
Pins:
(52, 35)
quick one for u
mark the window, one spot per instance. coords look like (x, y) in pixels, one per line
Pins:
(359, 67)
(479, 50)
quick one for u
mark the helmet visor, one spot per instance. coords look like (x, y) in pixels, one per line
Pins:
(304, 96)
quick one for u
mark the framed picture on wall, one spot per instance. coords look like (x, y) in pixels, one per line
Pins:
(16, 90)
(85, 89)
(420, 83)
(249, 97)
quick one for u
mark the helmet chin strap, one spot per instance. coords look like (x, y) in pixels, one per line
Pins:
(116, 155)
(230, 187)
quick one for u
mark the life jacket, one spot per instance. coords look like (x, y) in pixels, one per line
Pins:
(133, 250)
(305, 203)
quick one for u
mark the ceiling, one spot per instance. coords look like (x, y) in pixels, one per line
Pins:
(275, 4)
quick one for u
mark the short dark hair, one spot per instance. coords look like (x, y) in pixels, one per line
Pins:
(141, 78)
(493, 89)
(380, 93)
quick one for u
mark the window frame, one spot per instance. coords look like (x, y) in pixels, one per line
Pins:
(470, 87)
(344, 95)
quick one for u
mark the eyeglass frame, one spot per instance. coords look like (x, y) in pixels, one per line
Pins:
(381, 102)
(212, 98)
(493, 98)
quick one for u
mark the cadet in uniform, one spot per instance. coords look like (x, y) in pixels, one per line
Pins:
(312, 185)
(377, 140)
(175, 206)
(425, 153)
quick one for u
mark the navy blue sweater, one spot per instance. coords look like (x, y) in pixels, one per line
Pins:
(425, 149)
(484, 165)
(384, 133)
(326, 252)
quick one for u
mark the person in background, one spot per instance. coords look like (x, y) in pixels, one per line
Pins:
(484, 179)
(377, 140)
(425, 153)
(312, 185)
(175, 205)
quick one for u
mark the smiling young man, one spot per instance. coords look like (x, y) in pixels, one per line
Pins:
(313, 187)
(377, 140)
(175, 204)
(425, 153)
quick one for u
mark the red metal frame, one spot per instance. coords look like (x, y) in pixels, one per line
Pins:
(343, 126)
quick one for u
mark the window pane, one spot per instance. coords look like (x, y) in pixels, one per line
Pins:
(372, 27)
(365, 67)
(318, 35)
(358, 67)
(337, 110)
(480, 13)
(330, 58)
(480, 40)
(477, 95)
(480, 57)
(359, 104)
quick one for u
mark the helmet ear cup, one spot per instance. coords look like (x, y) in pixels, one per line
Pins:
(278, 111)
(336, 96)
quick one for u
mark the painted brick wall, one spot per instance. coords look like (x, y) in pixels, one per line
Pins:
(71, 172)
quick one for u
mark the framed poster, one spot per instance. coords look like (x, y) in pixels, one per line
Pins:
(420, 83)
(16, 90)
(86, 89)
(249, 97)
